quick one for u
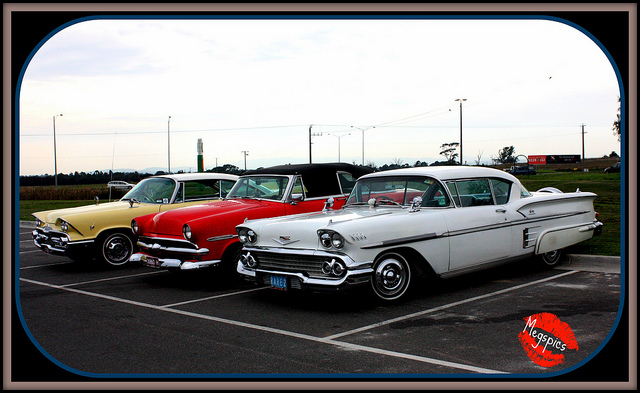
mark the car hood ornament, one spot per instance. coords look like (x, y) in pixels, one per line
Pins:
(284, 240)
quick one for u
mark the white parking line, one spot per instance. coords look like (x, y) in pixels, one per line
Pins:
(30, 251)
(445, 306)
(346, 345)
(109, 279)
(45, 265)
(213, 297)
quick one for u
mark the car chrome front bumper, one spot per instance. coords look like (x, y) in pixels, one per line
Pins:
(56, 242)
(355, 274)
(170, 263)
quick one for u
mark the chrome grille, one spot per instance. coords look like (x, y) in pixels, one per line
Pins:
(307, 264)
(159, 245)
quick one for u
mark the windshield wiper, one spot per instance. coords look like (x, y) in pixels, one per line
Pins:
(388, 201)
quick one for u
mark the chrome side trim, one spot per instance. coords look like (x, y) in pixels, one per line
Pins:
(403, 240)
(177, 250)
(223, 237)
(170, 263)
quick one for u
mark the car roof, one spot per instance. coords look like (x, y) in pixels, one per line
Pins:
(448, 172)
(319, 179)
(199, 175)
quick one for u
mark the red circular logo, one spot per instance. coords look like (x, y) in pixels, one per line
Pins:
(545, 338)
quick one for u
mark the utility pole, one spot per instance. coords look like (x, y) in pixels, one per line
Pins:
(246, 153)
(311, 125)
(461, 99)
(169, 145)
(582, 147)
(55, 158)
(310, 135)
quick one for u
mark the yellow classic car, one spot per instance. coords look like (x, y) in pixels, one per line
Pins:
(104, 231)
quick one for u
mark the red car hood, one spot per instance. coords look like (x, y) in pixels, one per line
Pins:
(217, 217)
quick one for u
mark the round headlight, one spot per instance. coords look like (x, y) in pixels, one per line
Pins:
(252, 237)
(64, 226)
(186, 231)
(242, 235)
(246, 235)
(325, 240)
(134, 227)
(337, 241)
(38, 222)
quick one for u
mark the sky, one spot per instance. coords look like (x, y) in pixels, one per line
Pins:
(139, 93)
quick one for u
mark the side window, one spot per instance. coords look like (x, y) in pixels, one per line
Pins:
(201, 190)
(225, 187)
(501, 190)
(454, 193)
(346, 182)
(474, 192)
(435, 196)
(180, 194)
(298, 187)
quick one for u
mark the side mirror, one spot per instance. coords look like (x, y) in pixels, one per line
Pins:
(328, 204)
(295, 198)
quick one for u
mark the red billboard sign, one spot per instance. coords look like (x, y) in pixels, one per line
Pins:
(537, 160)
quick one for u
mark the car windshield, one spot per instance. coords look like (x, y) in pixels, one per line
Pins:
(263, 187)
(152, 190)
(395, 190)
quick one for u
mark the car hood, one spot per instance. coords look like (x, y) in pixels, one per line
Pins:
(212, 218)
(68, 214)
(300, 231)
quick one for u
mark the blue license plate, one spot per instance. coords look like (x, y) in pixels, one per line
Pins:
(279, 282)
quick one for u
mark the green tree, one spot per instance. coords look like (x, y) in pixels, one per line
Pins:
(506, 155)
(449, 151)
(616, 124)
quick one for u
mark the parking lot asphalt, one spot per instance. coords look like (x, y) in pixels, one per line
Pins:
(93, 323)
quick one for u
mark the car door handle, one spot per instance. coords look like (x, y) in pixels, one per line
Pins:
(501, 210)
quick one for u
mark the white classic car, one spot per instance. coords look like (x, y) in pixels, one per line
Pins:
(416, 221)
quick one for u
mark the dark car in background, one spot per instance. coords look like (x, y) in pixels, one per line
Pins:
(523, 170)
(615, 168)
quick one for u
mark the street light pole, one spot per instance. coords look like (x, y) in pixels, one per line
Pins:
(339, 136)
(55, 158)
(246, 153)
(363, 130)
(169, 145)
(461, 99)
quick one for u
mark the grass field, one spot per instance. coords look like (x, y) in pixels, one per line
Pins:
(606, 186)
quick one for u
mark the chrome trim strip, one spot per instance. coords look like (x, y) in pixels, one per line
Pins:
(223, 237)
(404, 240)
(306, 252)
(430, 236)
(170, 263)
(177, 250)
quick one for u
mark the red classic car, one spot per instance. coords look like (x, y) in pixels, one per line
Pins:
(203, 236)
